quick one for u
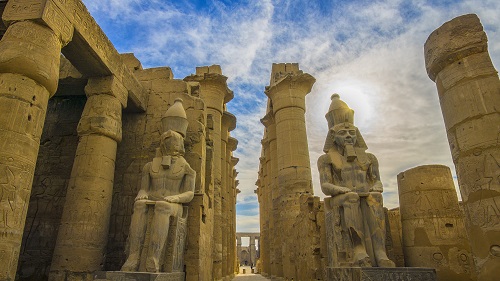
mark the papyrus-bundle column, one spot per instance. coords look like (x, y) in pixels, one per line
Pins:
(228, 124)
(235, 194)
(433, 229)
(82, 236)
(457, 59)
(273, 214)
(29, 72)
(287, 91)
(232, 144)
(215, 93)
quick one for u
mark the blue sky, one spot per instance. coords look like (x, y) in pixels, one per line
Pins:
(370, 52)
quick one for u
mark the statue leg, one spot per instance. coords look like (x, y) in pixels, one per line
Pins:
(354, 222)
(136, 236)
(159, 233)
(376, 224)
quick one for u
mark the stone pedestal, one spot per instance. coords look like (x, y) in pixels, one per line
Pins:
(380, 274)
(137, 276)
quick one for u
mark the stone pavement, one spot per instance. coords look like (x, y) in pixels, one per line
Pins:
(248, 276)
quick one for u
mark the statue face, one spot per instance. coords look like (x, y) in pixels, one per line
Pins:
(172, 143)
(345, 135)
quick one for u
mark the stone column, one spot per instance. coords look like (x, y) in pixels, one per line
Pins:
(29, 72)
(261, 192)
(434, 234)
(274, 213)
(251, 247)
(215, 93)
(238, 247)
(228, 124)
(232, 144)
(457, 59)
(287, 91)
(82, 237)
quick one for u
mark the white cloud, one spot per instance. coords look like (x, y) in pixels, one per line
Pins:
(371, 52)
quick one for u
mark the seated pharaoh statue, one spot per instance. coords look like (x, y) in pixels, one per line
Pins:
(167, 182)
(354, 213)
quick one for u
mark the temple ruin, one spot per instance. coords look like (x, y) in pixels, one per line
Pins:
(109, 171)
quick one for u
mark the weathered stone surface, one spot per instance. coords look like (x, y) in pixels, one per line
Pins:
(285, 172)
(158, 228)
(138, 276)
(380, 274)
(434, 234)
(354, 216)
(29, 69)
(57, 150)
(457, 60)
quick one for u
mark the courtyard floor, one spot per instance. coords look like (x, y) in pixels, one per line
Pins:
(248, 276)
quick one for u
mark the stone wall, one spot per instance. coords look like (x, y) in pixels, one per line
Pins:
(55, 159)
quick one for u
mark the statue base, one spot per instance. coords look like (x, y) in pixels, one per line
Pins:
(137, 276)
(380, 274)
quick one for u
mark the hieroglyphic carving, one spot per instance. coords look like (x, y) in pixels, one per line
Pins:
(44, 10)
(385, 274)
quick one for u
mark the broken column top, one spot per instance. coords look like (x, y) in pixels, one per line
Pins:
(280, 70)
(458, 38)
(212, 69)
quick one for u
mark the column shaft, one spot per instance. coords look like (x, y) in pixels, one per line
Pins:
(429, 208)
(287, 91)
(82, 236)
(468, 86)
(29, 71)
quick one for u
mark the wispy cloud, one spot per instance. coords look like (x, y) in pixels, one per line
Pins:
(370, 52)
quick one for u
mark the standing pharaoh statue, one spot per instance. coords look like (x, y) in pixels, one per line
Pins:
(167, 182)
(354, 213)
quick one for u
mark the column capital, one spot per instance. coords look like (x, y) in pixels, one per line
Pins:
(234, 160)
(290, 91)
(268, 119)
(232, 144)
(213, 84)
(44, 12)
(228, 121)
(108, 85)
(446, 45)
(102, 115)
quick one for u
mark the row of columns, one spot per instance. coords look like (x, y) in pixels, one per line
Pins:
(29, 73)
(284, 172)
(252, 246)
(216, 94)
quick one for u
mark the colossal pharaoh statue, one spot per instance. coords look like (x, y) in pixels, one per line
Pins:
(354, 213)
(167, 182)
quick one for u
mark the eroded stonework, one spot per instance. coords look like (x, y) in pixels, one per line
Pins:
(354, 216)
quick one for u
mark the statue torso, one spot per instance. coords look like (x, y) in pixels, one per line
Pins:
(166, 181)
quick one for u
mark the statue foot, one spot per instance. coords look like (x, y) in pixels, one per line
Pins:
(385, 263)
(152, 265)
(131, 264)
(362, 260)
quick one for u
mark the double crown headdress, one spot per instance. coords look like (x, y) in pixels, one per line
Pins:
(339, 113)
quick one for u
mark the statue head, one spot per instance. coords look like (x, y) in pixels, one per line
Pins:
(342, 131)
(344, 134)
(172, 143)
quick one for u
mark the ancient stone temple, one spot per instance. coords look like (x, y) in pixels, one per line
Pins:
(433, 229)
(76, 148)
(457, 59)
(287, 204)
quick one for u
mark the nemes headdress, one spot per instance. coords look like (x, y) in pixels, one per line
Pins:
(175, 119)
